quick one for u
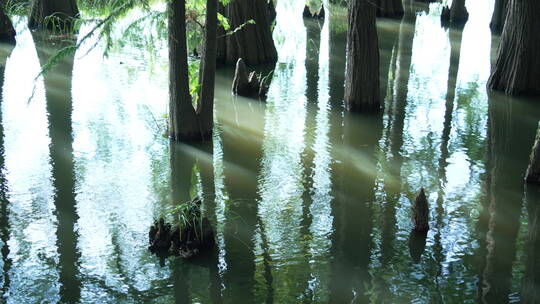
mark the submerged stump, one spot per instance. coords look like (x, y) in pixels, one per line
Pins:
(248, 85)
(191, 237)
(533, 171)
(421, 212)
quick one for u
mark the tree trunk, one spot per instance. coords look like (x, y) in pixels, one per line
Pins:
(517, 68)
(362, 77)
(389, 8)
(183, 124)
(254, 42)
(7, 32)
(64, 11)
(499, 14)
(205, 108)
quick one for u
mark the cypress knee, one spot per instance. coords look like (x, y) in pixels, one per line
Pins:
(421, 212)
(362, 76)
(533, 171)
(517, 67)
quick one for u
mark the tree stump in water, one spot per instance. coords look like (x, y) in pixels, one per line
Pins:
(533, 171)
(185, 240)
(421, 212)
(308, 13)
(248, 85)
(7, 32)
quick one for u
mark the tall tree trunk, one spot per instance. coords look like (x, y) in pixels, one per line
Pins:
(517, 68)
(254, 42)
(59, 108)
(499, 15)
(63, 11)
(183, 124)
(362, 77)
(205, 107)
(7, 32)
(389, 8)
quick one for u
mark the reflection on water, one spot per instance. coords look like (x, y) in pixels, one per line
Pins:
(310, 203)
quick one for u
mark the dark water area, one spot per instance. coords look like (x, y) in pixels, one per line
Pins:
(310, 203)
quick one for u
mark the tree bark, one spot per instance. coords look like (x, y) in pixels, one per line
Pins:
(64, 11)
(183, 124)
(205, 107)
(389, 8)
(499, 14)
(517, 68)
(7, 32)
(362, 76)
(254, 42)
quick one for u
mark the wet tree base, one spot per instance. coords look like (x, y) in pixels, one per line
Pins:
(186, 242)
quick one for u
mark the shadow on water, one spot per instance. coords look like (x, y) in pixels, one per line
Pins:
(510, 129)
(5, 52)
(192, 175)
(59, 108)
(530, 291)
(353, 211)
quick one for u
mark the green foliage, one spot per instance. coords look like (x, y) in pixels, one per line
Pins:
(194, 85)
(188, 215)
(15, 8)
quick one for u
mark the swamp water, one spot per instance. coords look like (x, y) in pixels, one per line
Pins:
(310, 204)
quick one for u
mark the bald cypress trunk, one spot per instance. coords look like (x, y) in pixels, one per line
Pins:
(362, 76)
(183, 124)
(389, 8)
(7, 32)
(499, 14)
(186, 122)
(205, 108)
(64, 12)
(517, 68)
(254, 42)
